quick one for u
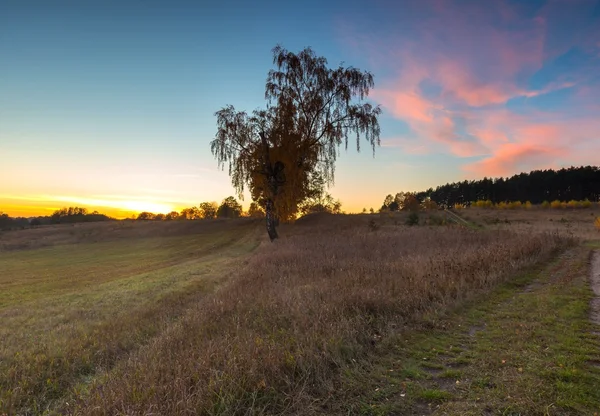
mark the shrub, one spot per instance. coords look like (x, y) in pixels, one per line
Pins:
(528, 205)
(597, 223)
(514, 205)
(556, 204)
(502, 205)
(484, 204)
(35, 222)
(413, 219)
(586, 203)
(435, 220)
(373, 225)
(545, 204)
(573, 204)
(428, 203)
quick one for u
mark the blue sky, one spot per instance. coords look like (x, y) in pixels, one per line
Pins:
(111, 104)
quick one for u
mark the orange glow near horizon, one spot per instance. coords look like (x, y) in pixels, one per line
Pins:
(44, 206)
(33, 206)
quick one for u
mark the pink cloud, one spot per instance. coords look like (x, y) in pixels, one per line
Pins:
(513, 157)
(460, 67)
(407, 105)
(537, 145)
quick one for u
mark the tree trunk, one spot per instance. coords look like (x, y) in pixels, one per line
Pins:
(271, 220)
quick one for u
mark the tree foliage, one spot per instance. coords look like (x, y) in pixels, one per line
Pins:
(192, 213)
(403, 201)
(76, 214)
(536, 187)
(146, 216)
(208, 210)
(5, 220)
(173, 215)
(318, 200)
(277, 151)
(324, 203)
(255, 210)
(574, 183)
(229, 208)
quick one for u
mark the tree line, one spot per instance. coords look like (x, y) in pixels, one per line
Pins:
(7, 222)
(536, 187)
(64, 215)
(229, 208)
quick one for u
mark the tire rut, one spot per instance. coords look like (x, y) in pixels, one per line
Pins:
(595, 283)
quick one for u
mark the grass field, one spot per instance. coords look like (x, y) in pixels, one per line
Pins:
(209, 318)
(70, 311)
(576, 222)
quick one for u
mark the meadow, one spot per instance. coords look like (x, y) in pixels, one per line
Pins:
(208, 317)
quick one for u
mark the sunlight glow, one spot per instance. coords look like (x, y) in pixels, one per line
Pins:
(117, 206)
(140, 206)
(118, 203)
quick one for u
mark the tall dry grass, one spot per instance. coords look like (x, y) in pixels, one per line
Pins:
(576, 222)
(274, 339)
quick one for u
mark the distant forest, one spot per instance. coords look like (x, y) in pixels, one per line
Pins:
(536, 187)
(62, 216)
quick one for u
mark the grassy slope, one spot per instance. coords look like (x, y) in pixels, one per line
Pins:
(70, 311)
(275, 340)
(529, 349)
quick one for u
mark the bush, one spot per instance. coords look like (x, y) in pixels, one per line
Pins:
(514, 205)
(545, 204)
(484, 204)
(413, 219)
(597, 223)
(435, 220)
(556, 204)
(373, 225)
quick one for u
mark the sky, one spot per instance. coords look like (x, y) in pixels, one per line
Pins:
(110, 104)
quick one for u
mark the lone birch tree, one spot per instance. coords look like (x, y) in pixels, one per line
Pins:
(278, 151)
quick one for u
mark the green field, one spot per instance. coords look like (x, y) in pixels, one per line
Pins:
(70, 311)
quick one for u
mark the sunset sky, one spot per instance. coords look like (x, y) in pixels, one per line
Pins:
(110, 104)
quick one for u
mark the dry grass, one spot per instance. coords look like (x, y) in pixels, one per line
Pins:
(275, 338)
(576, 222)
(526, 348)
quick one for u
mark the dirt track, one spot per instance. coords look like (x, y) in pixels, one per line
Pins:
(595, 281)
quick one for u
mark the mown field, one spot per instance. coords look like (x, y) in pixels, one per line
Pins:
(210, 318)
(74, 300)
